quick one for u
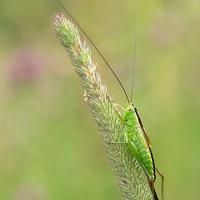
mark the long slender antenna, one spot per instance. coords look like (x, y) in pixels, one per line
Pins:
(82, 30)
(135, 51)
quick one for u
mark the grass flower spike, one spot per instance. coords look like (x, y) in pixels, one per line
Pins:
(132, 180)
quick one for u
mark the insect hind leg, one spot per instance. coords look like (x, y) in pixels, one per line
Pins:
(162, 182)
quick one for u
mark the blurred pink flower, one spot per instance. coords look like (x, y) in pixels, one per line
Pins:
(26, 66)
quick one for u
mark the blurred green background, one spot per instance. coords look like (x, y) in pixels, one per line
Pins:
(50, 148)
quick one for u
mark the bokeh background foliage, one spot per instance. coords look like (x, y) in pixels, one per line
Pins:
(49, 146)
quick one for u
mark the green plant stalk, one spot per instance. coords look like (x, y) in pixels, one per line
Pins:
(130, 176)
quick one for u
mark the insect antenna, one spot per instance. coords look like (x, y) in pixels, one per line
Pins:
(135, 51)
(98, 51)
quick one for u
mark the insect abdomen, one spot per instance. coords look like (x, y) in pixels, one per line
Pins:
(144, 156)
(138, 144)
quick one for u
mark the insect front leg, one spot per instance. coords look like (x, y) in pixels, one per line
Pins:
(120, 140)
